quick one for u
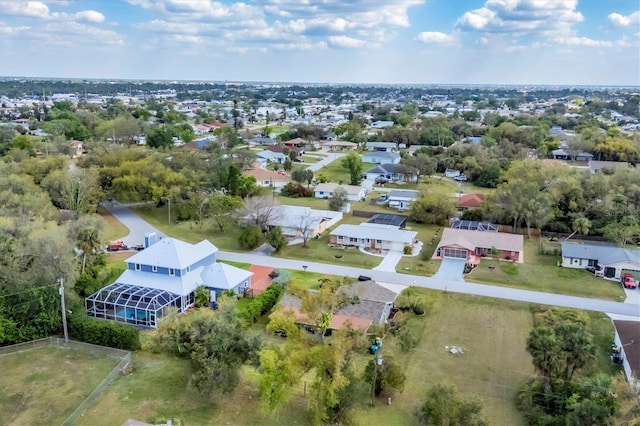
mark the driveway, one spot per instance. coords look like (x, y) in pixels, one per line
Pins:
(451, 269)
(325, 160)
(389, 262)
(138, 227)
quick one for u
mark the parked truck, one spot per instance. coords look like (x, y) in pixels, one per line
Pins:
(116, 246)
(628, 281)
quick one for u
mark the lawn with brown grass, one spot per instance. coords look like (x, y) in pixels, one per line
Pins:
(43, 386)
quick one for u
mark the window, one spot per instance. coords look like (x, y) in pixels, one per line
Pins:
(172, 271)
(454, 252)
(378, 241)
(137, 266)
(154, 268)
(353, 240)
(188, 268)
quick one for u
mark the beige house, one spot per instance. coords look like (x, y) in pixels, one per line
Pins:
(474, 245)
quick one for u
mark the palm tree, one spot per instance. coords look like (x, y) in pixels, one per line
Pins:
(577, 345)
(202, 296)
(580, 225)
(88, 242)
(546, 350)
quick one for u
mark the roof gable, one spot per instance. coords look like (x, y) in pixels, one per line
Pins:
(173, 253)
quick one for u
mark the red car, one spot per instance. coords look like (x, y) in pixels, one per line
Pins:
(628, 281)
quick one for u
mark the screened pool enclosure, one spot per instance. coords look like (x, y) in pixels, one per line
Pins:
(132, 304)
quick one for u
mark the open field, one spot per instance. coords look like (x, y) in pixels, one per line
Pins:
(492, 333)
(45, 385)
(113, 228)
(541, 273)
(336, 172)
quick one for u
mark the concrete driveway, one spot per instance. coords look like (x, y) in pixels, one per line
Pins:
(138, 227)
(332, 156)
(389, 262)
(451, 269)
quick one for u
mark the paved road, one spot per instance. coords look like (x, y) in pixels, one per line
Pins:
(331, 156)
(139, 227)
(628, 309)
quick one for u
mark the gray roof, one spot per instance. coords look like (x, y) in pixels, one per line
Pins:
(375, 231)
(369, 290)
(383, 168)
(381, 154)
(331, 187)
(270, 155)
(597, 165)
(223, 276)
(382, 144)
(605, 254)
(172, 253)
(404, 194)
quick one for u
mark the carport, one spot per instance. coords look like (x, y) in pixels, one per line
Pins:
(451, 269)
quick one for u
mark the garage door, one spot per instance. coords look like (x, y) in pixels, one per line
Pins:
(451, 269)
(636, 274)
(457, 253)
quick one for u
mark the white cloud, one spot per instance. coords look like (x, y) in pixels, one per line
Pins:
(90, 16)
(346, 42)
(7, 30)
(618, 20)
(30, 9)
(589, 42)
(435, 37)
(523, 17)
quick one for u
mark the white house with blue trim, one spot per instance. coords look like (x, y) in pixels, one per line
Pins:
(165, 274)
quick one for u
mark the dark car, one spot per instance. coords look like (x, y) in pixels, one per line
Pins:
(364, 278)
(381, 179)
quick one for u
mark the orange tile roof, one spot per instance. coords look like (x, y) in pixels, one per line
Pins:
(264, 174)
(260, 280)
(471, 200)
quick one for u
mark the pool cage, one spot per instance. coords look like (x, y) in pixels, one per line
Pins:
(131, 304)
(472, 225)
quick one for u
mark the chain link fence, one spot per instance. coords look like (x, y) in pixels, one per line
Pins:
(123, 356)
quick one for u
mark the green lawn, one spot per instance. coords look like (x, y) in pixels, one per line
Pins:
(319, 251)
(45, 385)
(190, 231)
(336, 172)
(113, 228)
(541, 273)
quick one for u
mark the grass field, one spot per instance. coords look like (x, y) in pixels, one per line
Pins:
(45, 385)
(336, 172)
(113, 228)
(495, 364)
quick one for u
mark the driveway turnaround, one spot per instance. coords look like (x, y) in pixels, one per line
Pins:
(451, 269)
(629, 309)
(138, 227)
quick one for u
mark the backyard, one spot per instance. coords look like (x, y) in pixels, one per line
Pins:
(45, 385)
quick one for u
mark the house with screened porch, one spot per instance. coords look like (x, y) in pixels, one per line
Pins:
(165, 274)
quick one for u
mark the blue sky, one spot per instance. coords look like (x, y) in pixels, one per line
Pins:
(352, 41)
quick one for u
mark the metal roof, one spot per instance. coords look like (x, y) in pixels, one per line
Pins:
(133, 296)
(605, 254)
(473, 225)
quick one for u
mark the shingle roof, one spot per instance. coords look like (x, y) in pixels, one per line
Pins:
(369, 290)
(172, 253)
(383, 168)
(471, 200)
(406, 194)
(629, 333)
(605, 254)
(223, 276)
(381, 154)
(331, 187)
(472, 239)
(376, 232)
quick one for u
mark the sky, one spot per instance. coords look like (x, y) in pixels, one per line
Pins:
(554, 42)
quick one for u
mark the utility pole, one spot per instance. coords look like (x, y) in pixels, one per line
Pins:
(169, 204)
(64, 309)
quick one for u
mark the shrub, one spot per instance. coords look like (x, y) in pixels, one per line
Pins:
(104, 333)
(418, 310)
(408, 250)
(282, 278)
(263, 303)
(295, 190)
(406, 339)
(250, 237)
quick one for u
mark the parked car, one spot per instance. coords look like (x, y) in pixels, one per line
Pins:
(381, 179)
(364, 278)
(297, 160)
(460, 178)
(628, 281)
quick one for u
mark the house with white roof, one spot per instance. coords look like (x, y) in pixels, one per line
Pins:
(267, 156)
(381, 146)
(607, 260)
(381, 157)
(353, 192)
(372, 237)
(474, 245)
(402, 199)
(165, 274)
(296, 220)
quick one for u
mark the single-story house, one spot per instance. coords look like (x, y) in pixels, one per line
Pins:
(402, 199)
(285, 149)
(561, 154)
(369, 304)
(627, 340)
(381, 157)
(608, 260)
(473, 245)
(388, 171)
(353, 192)
(267, 178)
(381, 124)
(470, 201)
(165, 274)
(381, 146)
(294, 220)
(341, 145)
(372, 236)
(599, 166)
(271, 157)
(261, 140)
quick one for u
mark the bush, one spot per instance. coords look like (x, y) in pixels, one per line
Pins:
(408, 250)
(263, 303)
(104, 333)
(250, 237)
(295, 190)
(406, 339)
(418, 310)
(282, 278)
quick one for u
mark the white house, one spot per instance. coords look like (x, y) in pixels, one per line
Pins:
(451, 173)
(271, 157)
(372, 236)
(627, 341)
(381, 146)
(402, 199)
(381, 157)
(165, 274)
(609, 261)
(387, 171)
(294, 220)
(326, 190)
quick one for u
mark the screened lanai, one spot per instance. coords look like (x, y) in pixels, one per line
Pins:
(131, 304)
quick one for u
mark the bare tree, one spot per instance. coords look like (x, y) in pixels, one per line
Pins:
(305, 224)
(259, 211)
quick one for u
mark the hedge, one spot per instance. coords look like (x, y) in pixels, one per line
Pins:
(104, 332)
(261, 304)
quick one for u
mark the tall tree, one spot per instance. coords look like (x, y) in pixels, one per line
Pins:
(353, 163)
(443, 406)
